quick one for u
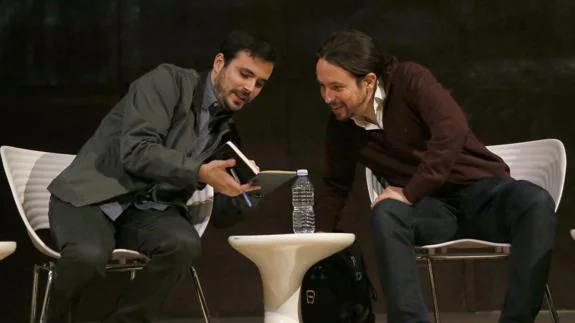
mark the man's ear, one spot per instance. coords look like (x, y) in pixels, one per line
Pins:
(219, 62)
(370, 80)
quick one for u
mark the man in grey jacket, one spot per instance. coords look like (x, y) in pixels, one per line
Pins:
(128, 185)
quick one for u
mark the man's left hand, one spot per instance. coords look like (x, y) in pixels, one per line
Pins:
(392, 192)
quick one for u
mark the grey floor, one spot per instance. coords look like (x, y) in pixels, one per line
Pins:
(544, 317)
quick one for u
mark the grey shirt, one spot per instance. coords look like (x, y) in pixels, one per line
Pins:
(209, 108)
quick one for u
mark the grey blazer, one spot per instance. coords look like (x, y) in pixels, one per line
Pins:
(141, 146)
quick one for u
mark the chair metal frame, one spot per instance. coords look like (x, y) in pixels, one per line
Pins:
(543, 162)
(29, 172)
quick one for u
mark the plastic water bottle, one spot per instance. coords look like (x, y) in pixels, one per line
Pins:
(303, 219)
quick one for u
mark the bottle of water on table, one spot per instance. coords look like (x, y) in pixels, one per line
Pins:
(303, 218)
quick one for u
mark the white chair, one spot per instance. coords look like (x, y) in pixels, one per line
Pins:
(542, 162)
(7, 248)
(29, 172)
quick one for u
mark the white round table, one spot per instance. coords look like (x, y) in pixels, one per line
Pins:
(282, 260)
(6, 248)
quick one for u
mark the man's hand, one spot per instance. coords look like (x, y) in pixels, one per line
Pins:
(214, 174)
(392, 192)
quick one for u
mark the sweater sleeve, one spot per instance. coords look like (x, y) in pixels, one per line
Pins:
(337, 181)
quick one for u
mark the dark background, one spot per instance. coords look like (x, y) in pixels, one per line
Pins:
(63, 64)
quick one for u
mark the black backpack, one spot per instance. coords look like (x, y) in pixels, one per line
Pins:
(338, 290)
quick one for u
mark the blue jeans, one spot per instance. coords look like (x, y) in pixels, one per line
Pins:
(494, 209)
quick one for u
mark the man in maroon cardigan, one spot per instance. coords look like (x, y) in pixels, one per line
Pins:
(441, 183)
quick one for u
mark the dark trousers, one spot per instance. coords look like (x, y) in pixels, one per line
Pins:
(497, 210)
(87, 237)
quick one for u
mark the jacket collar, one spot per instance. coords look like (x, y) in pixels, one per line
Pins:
(387, 75)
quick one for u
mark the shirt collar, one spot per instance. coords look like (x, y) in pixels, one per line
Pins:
(378, 99)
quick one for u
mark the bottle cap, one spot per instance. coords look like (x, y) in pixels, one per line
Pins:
(301, 172)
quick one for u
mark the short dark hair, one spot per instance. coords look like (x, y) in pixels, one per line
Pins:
(355, 52)
(240, 40)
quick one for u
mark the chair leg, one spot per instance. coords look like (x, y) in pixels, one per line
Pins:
(33, 305)
(201, 297)
(551, 304)
(47, 292)
(433, 291)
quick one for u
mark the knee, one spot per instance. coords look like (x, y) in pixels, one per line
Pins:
(181, 249)
(389, 216)
(535, 196)
(87, 259)
(541, 206)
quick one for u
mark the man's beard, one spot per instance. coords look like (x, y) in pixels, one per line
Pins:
(221, 94)
(343, 114)
(342, 117)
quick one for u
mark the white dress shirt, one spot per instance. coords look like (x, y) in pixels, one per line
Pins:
(377, 107)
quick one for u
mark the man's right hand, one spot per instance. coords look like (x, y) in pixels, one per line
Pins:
(215, 174)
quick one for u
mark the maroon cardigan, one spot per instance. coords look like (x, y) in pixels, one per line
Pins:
(426, 142)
